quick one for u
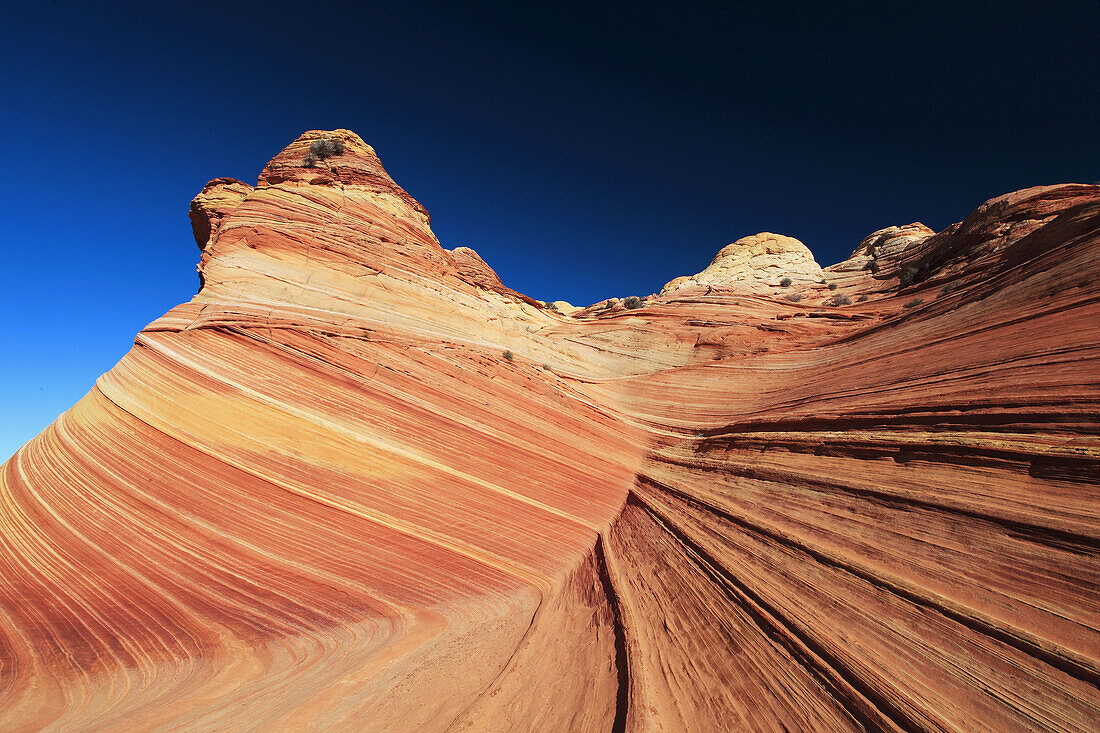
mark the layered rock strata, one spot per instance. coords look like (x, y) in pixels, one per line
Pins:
(358, 483)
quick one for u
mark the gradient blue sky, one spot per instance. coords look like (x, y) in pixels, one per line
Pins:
(584, 150)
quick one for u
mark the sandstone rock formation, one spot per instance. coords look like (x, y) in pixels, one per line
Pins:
(357, 483)
(760, 260)
(880, 252)
(475, 270)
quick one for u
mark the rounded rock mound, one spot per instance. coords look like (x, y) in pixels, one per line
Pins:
(762, 260)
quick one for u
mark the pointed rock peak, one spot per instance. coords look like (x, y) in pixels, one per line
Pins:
(320, 156)
(333, 158)
(473, 269)
(476, 271)
(761, 259)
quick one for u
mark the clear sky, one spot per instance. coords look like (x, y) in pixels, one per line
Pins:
(585, 150)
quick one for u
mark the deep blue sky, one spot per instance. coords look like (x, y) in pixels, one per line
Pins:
(584, 150)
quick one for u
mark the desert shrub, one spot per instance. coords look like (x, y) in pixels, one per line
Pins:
(309, 161)
(793, 297)
(842, 300)
(326, 147)
(908, 276)
(913, 303)
(947, 288)
(832, 286)
(632, 302)
(548, 305)
(508, 356)
(547, 367)
(861, 298)
(785, 282)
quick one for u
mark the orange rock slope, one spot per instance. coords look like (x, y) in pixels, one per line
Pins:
(357, 483)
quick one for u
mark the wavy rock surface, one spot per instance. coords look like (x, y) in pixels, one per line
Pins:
(358, 483)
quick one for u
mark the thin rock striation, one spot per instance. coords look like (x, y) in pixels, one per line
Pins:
(359, 483)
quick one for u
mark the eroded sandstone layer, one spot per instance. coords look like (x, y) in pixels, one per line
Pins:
(358, 483)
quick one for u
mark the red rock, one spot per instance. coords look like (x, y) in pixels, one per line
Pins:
(475, 270)
(357, 482)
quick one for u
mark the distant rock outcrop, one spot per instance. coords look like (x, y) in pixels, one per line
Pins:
(880, 252)
(763, 259)
(358, 483)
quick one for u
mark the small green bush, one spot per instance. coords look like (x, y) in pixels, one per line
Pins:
(913, 303)
(785, 282)
(861, 298)
(309, 162)
(326, 147)
(632, 302)
(548, 305)
(793, 297)
(508, 356)
(832, 286)
(842, 300)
